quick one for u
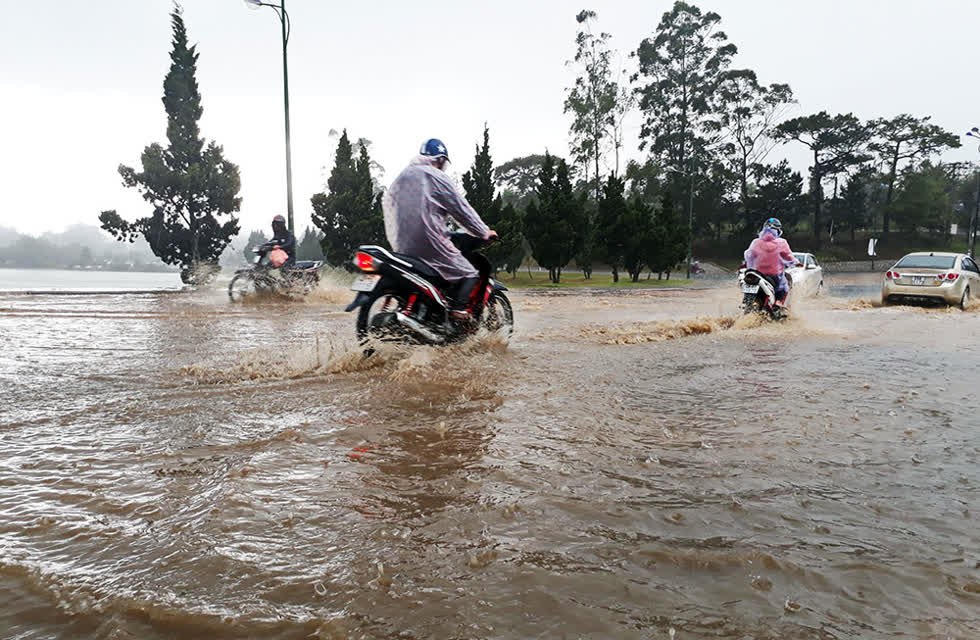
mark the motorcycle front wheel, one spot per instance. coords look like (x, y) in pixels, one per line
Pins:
(242, 286)
(498, 315)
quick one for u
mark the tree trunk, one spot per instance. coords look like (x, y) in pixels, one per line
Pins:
(817, 189)
(615, 271)
(886, 213)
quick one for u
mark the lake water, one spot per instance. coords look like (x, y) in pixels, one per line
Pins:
(82, 280)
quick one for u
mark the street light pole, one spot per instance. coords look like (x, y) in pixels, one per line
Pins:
(280, 10)
(690, 220)
(971, 237)
(690, 212)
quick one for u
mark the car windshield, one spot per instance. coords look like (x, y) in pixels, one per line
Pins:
(927, 262)
(800, 257)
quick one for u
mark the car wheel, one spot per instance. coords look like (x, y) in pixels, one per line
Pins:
(886, 301)
(965, 300)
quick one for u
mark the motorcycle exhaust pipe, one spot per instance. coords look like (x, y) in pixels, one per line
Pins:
(417, 327)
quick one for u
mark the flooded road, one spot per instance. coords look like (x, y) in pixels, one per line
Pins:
(638, 464)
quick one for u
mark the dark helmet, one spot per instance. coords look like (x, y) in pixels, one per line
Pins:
(775, 225)
(278, 220)
(434, 148)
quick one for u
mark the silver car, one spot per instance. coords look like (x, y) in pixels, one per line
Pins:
(952, 278)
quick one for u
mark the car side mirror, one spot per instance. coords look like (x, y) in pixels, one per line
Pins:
(811, 266)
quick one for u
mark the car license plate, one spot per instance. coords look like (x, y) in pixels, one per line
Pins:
(365, 283)
(918, 280)
(750, 288)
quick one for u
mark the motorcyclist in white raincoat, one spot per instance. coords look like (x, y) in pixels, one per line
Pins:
(417, 208)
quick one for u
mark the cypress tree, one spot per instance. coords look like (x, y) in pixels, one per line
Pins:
(309, 247)
(189, 183)
(554, 220)
(478, 183)
(350, 214)
(612, 209)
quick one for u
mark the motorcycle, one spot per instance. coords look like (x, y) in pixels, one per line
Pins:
(401, 299)
(759, 295)
(267, 275)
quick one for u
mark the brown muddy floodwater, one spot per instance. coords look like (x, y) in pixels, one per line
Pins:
(631, 465)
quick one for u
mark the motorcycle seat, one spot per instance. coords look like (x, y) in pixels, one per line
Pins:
(420, 267)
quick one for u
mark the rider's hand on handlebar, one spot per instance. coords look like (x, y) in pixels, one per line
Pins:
(492, 235)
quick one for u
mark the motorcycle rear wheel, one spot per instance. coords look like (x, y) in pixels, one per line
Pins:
(370, 322)
(749, 304)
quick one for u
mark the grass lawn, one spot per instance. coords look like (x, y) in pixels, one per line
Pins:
(539, 280)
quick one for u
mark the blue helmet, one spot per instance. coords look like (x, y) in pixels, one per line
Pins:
(775, 225)
(435, 148)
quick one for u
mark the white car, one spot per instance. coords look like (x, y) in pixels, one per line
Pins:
(806, 279)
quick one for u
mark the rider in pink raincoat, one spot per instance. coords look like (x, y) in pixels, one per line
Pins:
(417, 209)
(769, 254)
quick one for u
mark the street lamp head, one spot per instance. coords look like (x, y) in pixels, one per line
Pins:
(253, 4)
(975, 130)
(970, 133)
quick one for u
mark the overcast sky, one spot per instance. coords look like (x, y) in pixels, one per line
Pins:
(81, 81)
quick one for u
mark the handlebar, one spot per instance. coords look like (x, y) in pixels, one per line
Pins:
(467, 243)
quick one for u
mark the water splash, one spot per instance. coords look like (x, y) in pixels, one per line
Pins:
(656, 332)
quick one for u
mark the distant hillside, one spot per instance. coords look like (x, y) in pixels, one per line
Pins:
(78, 246)
(86, 246)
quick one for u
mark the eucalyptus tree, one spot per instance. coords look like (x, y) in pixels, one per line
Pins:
(517, 178)
(680, 71)
(748, 121)
(592, 99)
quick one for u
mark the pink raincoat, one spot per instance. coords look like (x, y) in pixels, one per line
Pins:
(417, 208)
(769, 254)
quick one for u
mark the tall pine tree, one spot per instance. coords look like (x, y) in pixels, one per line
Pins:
(189, 183)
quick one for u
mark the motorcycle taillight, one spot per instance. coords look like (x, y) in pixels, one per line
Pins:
(363, 261)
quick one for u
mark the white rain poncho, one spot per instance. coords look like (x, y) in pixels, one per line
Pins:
(417, 208)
